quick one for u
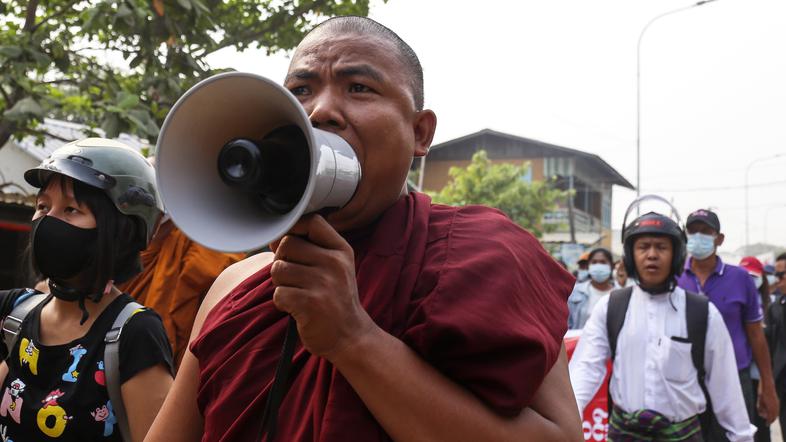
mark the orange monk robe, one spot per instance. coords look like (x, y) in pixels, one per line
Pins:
(177, 273)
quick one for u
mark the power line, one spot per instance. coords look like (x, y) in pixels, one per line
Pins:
(716, 189)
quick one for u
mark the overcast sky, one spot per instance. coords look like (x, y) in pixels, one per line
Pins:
(713, 88)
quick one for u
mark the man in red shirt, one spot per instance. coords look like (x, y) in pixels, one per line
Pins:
(417, 321)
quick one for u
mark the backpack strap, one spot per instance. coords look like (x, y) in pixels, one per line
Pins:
(615, 317)
(697, 317)
(12, 323)
(112, 366)
(697, 309)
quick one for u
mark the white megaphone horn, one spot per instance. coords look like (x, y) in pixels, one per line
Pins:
(238, 163)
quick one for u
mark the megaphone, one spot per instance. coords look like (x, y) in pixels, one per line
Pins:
(238, 163)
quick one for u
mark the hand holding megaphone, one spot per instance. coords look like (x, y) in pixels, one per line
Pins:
(314, 276)
(238, 163)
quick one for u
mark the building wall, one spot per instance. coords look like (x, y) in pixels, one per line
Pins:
(15, 213)
(437, 177)
(13, 164)
(608, 238)
(592, 181)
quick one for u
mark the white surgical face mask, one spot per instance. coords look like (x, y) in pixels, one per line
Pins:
(701, 246)
(757, 280)
(582, 275)
(600, 272)
(771, 279)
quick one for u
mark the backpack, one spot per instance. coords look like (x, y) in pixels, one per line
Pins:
(696, 316)
(29, 300)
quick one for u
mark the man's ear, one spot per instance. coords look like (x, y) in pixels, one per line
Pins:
(719, 239)
(424, 126)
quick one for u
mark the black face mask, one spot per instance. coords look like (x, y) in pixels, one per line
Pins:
(61, 250)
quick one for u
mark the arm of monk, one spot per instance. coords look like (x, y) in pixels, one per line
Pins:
(414, 402)
(461, 415)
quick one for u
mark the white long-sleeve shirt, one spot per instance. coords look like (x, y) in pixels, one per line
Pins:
(653, 371)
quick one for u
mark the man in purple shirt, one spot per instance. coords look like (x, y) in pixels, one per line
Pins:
(733, 292)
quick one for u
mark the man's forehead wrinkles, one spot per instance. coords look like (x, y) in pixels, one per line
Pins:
(344, 64)
(345, 48)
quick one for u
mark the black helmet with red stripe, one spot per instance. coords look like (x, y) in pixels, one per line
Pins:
(653, 223)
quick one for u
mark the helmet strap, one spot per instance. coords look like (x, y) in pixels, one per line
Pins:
(70, 294)
(666, 286)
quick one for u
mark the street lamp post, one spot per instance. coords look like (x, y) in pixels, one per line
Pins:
(747, 214)
(638, 87)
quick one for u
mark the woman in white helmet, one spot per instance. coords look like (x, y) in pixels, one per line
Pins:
(69, 373)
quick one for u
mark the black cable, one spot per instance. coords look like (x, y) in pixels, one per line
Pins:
(280, 385)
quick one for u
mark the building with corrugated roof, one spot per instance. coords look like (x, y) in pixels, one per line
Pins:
(584, 219)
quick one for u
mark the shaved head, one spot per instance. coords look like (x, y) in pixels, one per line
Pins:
(367, 27)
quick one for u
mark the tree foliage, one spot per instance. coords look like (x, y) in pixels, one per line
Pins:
(121, 64)
(501, 186)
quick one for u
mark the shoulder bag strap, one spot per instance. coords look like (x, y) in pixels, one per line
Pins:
(112, 367)
(12, 323)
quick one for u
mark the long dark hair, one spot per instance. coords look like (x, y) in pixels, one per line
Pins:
(120, 237)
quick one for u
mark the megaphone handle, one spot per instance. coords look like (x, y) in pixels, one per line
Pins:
(280, 386)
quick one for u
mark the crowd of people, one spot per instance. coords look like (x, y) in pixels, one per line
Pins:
(415, 321)
(677, 374)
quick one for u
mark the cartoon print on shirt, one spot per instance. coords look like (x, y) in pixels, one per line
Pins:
(52, 418)
(4, 434)
(76, 352)
(12, 400)
(99, 375)
(28, 354)
(106, 415)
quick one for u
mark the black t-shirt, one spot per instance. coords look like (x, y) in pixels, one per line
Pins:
(59, 391)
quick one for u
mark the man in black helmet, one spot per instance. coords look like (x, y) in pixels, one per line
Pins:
(649, 331)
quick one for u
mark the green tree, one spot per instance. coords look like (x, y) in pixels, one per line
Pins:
(121, 64)
(501, 186)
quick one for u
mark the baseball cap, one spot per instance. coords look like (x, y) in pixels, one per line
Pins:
(752, 265)
(584, 257)
(705, 216)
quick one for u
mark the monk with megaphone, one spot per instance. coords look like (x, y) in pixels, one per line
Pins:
(399, 319)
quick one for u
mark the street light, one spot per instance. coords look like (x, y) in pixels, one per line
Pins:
(638, 87)
(747, 173)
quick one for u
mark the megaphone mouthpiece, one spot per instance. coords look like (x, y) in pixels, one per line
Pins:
(275, 170)
(238, 163)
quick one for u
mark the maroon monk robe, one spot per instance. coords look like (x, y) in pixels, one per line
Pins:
(471, 292)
